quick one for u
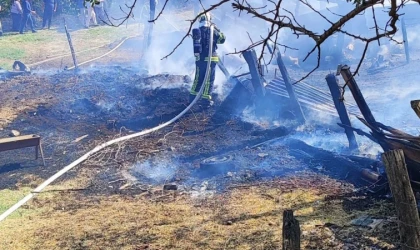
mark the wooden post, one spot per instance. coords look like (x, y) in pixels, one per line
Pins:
(71, 45)
(288, 84)
(357, 94)
(341, 109)
(251, 59)
(152, 4)
(339, 47)
(415, 105)
(405, 203)
(289, 87)
(291, 231)
(406, 48)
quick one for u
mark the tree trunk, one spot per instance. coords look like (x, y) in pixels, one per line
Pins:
(415, 105)
(399, 182)
(406, 48)
(291, 231)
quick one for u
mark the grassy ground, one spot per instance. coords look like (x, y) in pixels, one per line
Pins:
(33, 47)
(247, 217)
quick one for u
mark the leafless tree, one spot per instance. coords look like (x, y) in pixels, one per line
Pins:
(281, 19)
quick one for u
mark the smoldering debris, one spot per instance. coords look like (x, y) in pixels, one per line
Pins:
(156, 170)
(165, 81)
(275, 159)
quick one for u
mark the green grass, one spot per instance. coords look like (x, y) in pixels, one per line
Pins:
(32, 47)
(13, 38)
(9, 197)
(11, 53)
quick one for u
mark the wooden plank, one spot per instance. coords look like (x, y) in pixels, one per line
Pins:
(289, 87)
(405, 202)
(19, 142)
(18, 138)
(291, 231)
(415, 105)
(357, 94)
(250, 57)
(332, 82)
(152, 4)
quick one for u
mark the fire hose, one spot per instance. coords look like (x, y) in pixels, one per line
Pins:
(111, 142)
(107, 53)
(63, 55)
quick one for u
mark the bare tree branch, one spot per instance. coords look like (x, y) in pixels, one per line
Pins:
(280, 18)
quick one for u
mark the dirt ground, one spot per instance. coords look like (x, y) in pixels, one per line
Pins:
(118, 181)
(115, 200)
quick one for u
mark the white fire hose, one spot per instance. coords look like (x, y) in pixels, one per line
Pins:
(107, 53)
(109, 143)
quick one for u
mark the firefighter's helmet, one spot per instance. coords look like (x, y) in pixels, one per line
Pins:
(205, 20)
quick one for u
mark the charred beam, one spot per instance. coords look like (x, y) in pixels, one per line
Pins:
(357, 94)
(399, 182)
(258, 83)
(289, 87)
(341, 109)
(358, 131)
(415, 105)
(152, 17)
(291, 231)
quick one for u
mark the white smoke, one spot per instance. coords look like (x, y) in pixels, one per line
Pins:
(157, 169)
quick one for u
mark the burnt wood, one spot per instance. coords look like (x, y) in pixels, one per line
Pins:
(23, 141)
(332, 82)
(291, 231)
(251, 59)
(289, 87)
(357, 94)
(405, 203)
(415, 105)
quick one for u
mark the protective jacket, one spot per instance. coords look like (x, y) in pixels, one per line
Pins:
(218, 38)
(202, 59)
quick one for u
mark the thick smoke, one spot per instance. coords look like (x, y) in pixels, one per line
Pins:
(241, 30)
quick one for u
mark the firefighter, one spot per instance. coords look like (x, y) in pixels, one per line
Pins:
(201, 40)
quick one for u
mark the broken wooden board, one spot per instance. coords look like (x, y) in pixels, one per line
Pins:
(415, 105)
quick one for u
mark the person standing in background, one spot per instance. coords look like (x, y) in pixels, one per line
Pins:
(16, 12)
(90, 15)
(27, 16)
(50, 6)
(100, 11)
